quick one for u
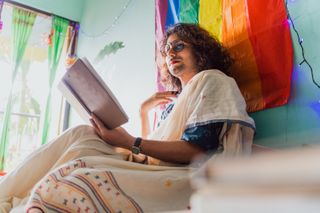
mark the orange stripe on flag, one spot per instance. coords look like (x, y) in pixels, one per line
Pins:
(236, 38)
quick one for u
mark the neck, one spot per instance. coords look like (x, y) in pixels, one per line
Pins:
(184, 79)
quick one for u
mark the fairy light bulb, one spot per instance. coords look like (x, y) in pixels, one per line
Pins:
(301, 40)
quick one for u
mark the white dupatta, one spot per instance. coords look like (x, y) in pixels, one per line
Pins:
(210, 97)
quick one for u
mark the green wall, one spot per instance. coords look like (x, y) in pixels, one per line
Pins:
(131, 71)
(298, 122)
(71, 9)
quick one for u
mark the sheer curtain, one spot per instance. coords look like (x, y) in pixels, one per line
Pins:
(22, 23)
(72, 42)
(58, 36)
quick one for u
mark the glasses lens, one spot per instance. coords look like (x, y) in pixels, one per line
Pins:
(178, 47)
(167, 48)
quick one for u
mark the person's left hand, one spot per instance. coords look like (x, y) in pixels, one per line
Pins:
(118, 137)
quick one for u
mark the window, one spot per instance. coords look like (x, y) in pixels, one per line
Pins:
(30, 89)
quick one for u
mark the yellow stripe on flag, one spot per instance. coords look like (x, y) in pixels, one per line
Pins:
(210, 16)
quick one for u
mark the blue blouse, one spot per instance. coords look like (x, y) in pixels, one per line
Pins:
(205, 136)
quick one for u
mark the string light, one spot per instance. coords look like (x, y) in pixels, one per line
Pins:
(113, 24)
(300, 41)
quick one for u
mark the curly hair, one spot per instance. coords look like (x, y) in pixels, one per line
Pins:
(169, 81)
(207, 50)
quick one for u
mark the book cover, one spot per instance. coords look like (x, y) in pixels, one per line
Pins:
(87, 93)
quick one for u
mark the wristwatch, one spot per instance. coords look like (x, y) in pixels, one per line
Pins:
(135, 149)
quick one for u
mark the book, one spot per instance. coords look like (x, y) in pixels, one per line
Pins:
(87, 93)
(283, 180)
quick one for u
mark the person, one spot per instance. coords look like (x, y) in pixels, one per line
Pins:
(95, 169)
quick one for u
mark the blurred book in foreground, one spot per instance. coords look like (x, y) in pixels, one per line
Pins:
(279, 181)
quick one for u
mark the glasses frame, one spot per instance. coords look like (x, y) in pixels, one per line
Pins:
(176, 46)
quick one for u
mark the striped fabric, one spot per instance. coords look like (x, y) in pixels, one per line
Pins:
(257, 35)
(77, 188)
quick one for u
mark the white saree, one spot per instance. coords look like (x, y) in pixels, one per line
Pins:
(78, 172)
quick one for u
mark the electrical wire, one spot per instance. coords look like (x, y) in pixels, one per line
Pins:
(106, 30)
(300, 41)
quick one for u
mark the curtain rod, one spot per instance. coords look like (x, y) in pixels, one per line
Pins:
(34, 9)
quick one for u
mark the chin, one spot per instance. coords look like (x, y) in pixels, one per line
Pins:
(176, 71)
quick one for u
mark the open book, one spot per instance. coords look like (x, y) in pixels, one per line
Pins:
(87, 93)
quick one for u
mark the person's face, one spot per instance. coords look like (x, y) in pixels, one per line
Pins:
(179, 58)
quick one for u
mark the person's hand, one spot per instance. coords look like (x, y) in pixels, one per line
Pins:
(157, 99)
(118, 137)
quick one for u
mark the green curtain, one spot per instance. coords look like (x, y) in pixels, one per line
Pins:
(58, 35)
(22, 23)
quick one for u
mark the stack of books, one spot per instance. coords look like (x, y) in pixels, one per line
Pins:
(278, 181)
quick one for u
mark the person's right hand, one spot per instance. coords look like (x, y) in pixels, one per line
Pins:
(157, 99)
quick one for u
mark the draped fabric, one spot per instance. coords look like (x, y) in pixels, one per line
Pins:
(1, 6)
(58, 35)
(210, 97)
(257, 35)
(189, 11)
(153, 188)
(22, 23)
(160, 21)
(210, 16)
(72, 41)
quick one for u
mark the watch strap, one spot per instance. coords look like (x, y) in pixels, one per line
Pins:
(137, 142)
(136, 146)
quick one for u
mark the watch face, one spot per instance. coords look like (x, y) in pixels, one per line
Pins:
(135, 150)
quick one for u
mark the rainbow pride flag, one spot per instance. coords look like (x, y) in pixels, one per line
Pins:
(257, 34)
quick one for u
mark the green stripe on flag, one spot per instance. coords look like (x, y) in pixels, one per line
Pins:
(189, 10)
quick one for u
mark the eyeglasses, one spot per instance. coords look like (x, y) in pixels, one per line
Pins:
(176, 47)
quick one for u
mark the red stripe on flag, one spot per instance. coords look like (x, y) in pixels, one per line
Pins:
(270, 36)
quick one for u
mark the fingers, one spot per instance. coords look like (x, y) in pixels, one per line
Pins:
(167, 94)
(164, 100)
(174, 92)
(93, 123)
(95, 126)
(157, 99)
(167, 99)
(164, 97)
(98, 123)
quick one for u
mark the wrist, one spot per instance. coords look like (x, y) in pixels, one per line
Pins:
(130, 143)
(143, 111)
(144, 108)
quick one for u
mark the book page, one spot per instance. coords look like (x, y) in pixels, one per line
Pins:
(73, 101)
